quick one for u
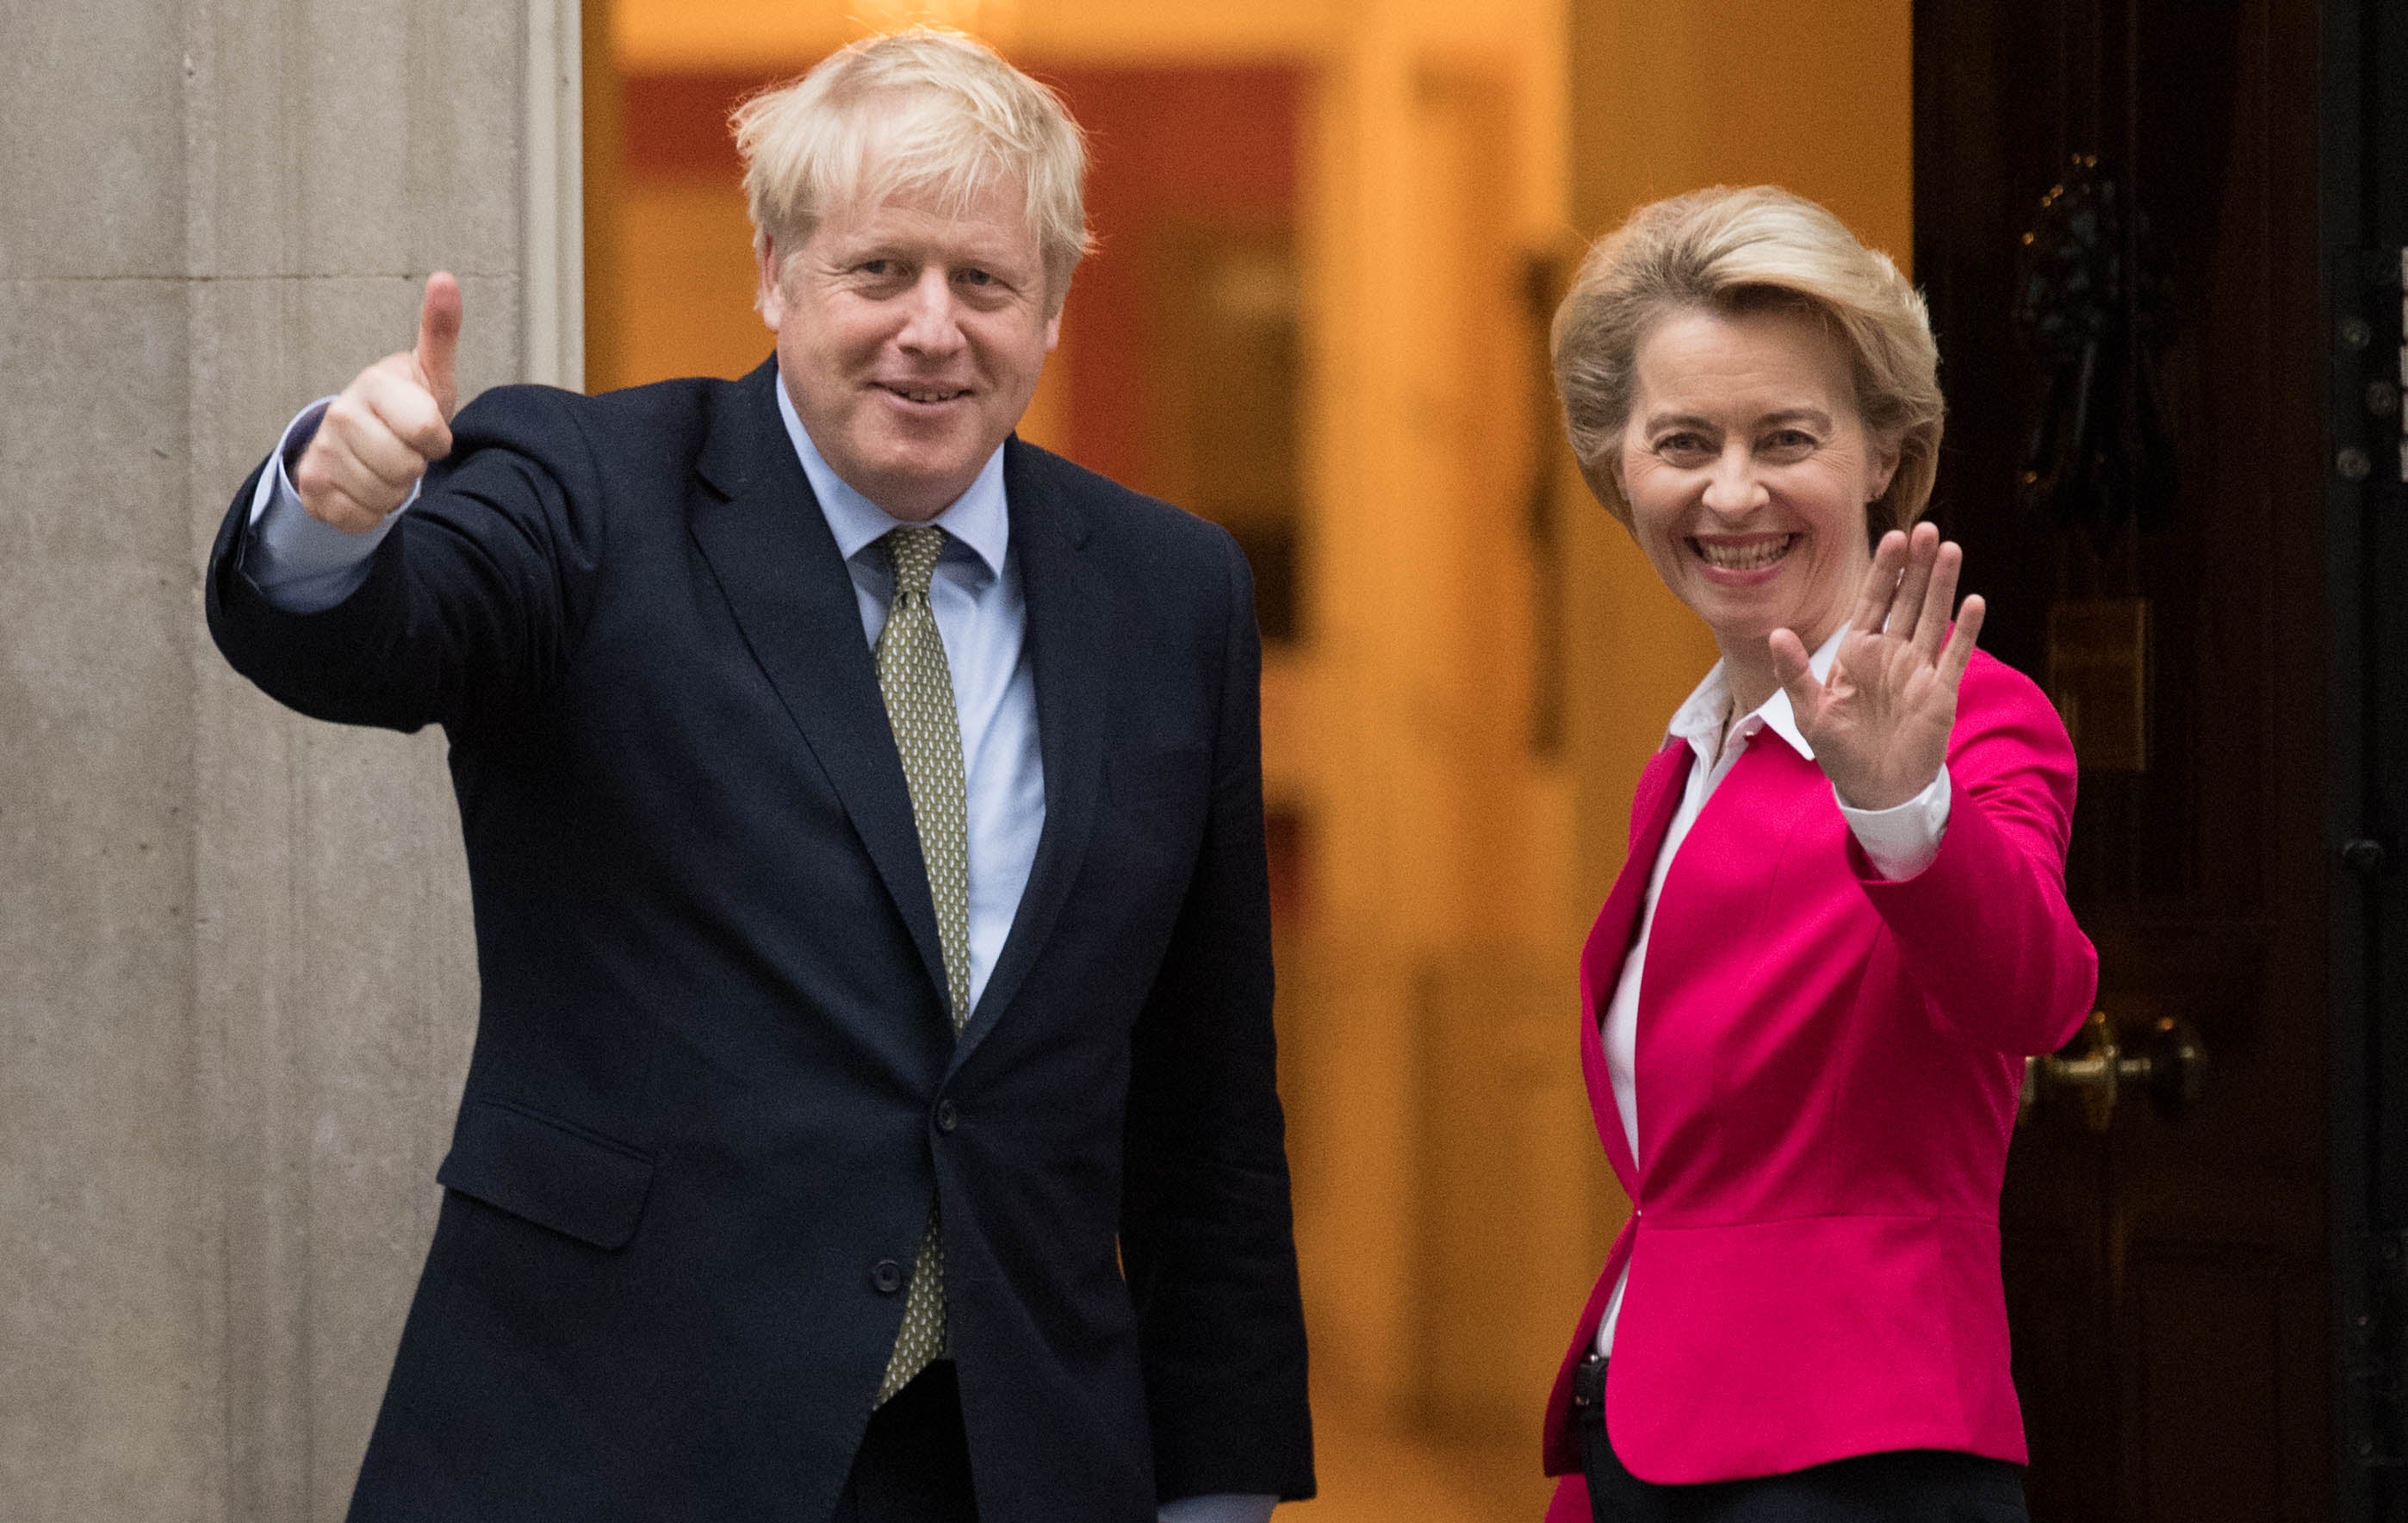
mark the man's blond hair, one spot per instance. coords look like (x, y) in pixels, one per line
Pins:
(927, 112)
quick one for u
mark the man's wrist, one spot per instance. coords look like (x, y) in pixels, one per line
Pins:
(299, 432)
(300, 565)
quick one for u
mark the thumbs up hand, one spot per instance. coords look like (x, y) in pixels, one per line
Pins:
(390, 422)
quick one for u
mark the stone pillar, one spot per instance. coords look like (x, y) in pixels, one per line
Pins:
(236, 986)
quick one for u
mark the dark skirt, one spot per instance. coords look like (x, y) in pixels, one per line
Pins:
(1906, 1485)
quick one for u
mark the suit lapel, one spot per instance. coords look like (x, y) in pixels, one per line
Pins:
(1068, 624)
(769, 544)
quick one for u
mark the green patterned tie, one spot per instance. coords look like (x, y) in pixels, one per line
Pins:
(918, 687)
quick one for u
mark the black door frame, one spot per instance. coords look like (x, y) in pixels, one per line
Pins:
(2364, 213)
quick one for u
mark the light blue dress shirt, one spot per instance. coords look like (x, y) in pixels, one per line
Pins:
(303, 566)
(982, 615)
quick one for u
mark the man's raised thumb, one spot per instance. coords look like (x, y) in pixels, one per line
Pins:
(439, 340)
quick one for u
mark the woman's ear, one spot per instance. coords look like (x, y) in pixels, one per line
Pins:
(1886, 459)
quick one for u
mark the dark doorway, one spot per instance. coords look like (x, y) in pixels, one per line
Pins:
(2118, 215)
(2365, 335)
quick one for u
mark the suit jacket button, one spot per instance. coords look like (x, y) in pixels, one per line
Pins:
(947, 1118)
(887, 1276)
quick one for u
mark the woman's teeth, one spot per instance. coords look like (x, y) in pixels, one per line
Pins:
(1753, 555)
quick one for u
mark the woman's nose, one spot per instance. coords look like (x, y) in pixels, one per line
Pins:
(1733, 486)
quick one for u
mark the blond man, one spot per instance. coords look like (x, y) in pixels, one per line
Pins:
(873, 1111)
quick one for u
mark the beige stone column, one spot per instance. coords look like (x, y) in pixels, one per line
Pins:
(236, 986)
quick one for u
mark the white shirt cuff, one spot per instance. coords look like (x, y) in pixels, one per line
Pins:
(1220, 1507)
(1902, 842)
(297, 563)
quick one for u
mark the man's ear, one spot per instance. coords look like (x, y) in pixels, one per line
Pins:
(771, 296)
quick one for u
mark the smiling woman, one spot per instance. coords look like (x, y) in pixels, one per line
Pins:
(1769, 386)
(1803, 1321)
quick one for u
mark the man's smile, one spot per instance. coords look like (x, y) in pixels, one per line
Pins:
(922, 394)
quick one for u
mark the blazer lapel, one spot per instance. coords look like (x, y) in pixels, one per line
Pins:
(769, 544)
(1653, 804)
(1656, 799)
(1069, 623)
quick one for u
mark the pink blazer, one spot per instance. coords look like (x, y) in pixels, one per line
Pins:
(1827, 1064)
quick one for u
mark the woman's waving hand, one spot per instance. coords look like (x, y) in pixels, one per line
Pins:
(1879, 722)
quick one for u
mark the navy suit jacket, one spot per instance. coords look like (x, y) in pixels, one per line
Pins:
(714, 1087)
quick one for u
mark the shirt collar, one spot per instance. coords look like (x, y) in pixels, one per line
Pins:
(1698, 721)
(977, 518)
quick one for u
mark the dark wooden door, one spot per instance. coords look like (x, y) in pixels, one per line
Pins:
(2168, 1272)
(2365, 174)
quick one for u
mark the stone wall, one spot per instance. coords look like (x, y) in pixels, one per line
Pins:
(236, 988)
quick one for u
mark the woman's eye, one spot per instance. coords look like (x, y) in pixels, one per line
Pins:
(1789, 441)
(1684, 444)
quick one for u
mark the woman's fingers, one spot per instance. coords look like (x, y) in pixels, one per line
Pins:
(1906, 607)
(1881, 583)
(1938, 598)
(1795, 671)
(1954, 659)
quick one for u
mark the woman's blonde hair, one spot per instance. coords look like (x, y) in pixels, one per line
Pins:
(1732, 250)
(926, 111)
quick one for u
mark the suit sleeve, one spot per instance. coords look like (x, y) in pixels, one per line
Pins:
(1984, 930)
(1206, 1236)
(470, 605)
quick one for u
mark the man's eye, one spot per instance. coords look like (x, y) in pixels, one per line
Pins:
(879, 268)
(975, 277)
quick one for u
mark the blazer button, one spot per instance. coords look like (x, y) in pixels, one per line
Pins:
(947, 1118)
(887, 1276)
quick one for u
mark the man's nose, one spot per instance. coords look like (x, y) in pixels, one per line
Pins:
(1733, 486)
(932, 324)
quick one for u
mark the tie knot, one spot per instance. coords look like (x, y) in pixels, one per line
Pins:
(913, 554)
